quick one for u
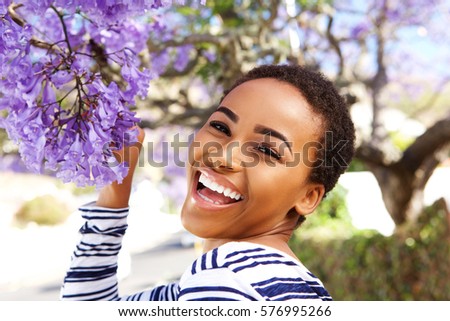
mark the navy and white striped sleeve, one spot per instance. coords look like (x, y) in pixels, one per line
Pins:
(92, 273)
(93, 270)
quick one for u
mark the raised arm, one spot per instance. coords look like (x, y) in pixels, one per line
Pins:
(117, 195)
(93, 270)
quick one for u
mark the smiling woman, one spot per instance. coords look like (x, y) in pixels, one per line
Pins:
(259, 165)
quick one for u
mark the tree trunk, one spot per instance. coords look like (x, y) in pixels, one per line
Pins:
(400, 197)
(402, 182)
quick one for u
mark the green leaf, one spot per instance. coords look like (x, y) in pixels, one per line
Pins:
(208, 70)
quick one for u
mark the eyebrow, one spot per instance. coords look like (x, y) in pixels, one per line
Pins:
(259, 129)
(230, 114)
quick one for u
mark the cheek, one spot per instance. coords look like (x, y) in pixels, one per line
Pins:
(275, 186)
(195, 149)
(204, 148)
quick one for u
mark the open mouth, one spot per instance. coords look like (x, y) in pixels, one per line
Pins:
(212, 192)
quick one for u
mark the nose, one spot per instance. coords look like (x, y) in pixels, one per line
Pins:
(226, 157)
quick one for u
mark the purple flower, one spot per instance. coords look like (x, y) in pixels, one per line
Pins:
(160, 61)
(182, 58)
(138, 81)
(61, 77)
(31, 89)
(37, 7)
(3, 6)
(75, 152)
(12, 163)
(211, 56)
(359, 30)
(32, 134)
(82, 176)
(160, 3)
(62, 115)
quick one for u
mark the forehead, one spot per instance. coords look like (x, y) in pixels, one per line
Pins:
(275, 104)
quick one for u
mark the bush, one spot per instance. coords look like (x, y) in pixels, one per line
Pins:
(331, 218)
(43, 210)
(412, 264)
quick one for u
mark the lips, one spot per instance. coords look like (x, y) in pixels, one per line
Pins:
(215, 190)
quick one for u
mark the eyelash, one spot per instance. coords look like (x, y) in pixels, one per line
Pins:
(268, 151)
(221, 127)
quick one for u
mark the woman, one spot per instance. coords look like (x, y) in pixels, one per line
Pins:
(274, 147)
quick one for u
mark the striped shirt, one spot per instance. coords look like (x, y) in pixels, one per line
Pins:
(235, 271)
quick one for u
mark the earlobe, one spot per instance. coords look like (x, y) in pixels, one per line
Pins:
(310, 200)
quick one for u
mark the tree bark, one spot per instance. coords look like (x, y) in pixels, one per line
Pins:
(397, 190)
(402, 182)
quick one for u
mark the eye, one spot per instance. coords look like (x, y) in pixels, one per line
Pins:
(220, 127)
(268, 151)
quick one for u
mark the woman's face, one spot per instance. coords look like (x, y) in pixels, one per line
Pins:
(249, 164)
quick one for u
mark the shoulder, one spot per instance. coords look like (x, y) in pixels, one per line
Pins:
(269, 272)
(235, 256)
(243, 257)
(213, 277)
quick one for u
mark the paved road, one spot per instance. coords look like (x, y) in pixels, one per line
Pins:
(161, 264)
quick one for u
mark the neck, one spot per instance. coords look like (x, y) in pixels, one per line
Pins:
(275, 241)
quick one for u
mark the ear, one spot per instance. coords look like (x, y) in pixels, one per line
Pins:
(312, 197)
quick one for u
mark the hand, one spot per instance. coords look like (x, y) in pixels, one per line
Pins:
(117, 195)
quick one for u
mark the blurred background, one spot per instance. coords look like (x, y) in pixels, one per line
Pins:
(384, 231)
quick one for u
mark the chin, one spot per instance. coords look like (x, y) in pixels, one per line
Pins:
(195, 224)
(187, 219)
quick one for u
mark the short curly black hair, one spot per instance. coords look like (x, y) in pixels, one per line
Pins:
(338, 136)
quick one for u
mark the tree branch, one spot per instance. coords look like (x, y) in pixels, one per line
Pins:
(371, 155)
(429, 165)
(335, 45)
(191, 39)
(191, 117)
(35, 42)
(13, 14)
(64, 27)
(432, 141)
(171, 72)
(380, 79)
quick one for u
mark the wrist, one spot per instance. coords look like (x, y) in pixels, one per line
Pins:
(115, 195)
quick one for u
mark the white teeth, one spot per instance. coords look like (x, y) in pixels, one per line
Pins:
(219, 188)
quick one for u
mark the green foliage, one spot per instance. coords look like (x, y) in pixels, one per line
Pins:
(229, 16)
(43, 210)
(307, 4)
(357, 166)
(330, 216)
(222, 6)
(208, 70)
(412, 264)
(186, 11)
(400, 140)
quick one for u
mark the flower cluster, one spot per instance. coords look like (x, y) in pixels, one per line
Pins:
(69, 75)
